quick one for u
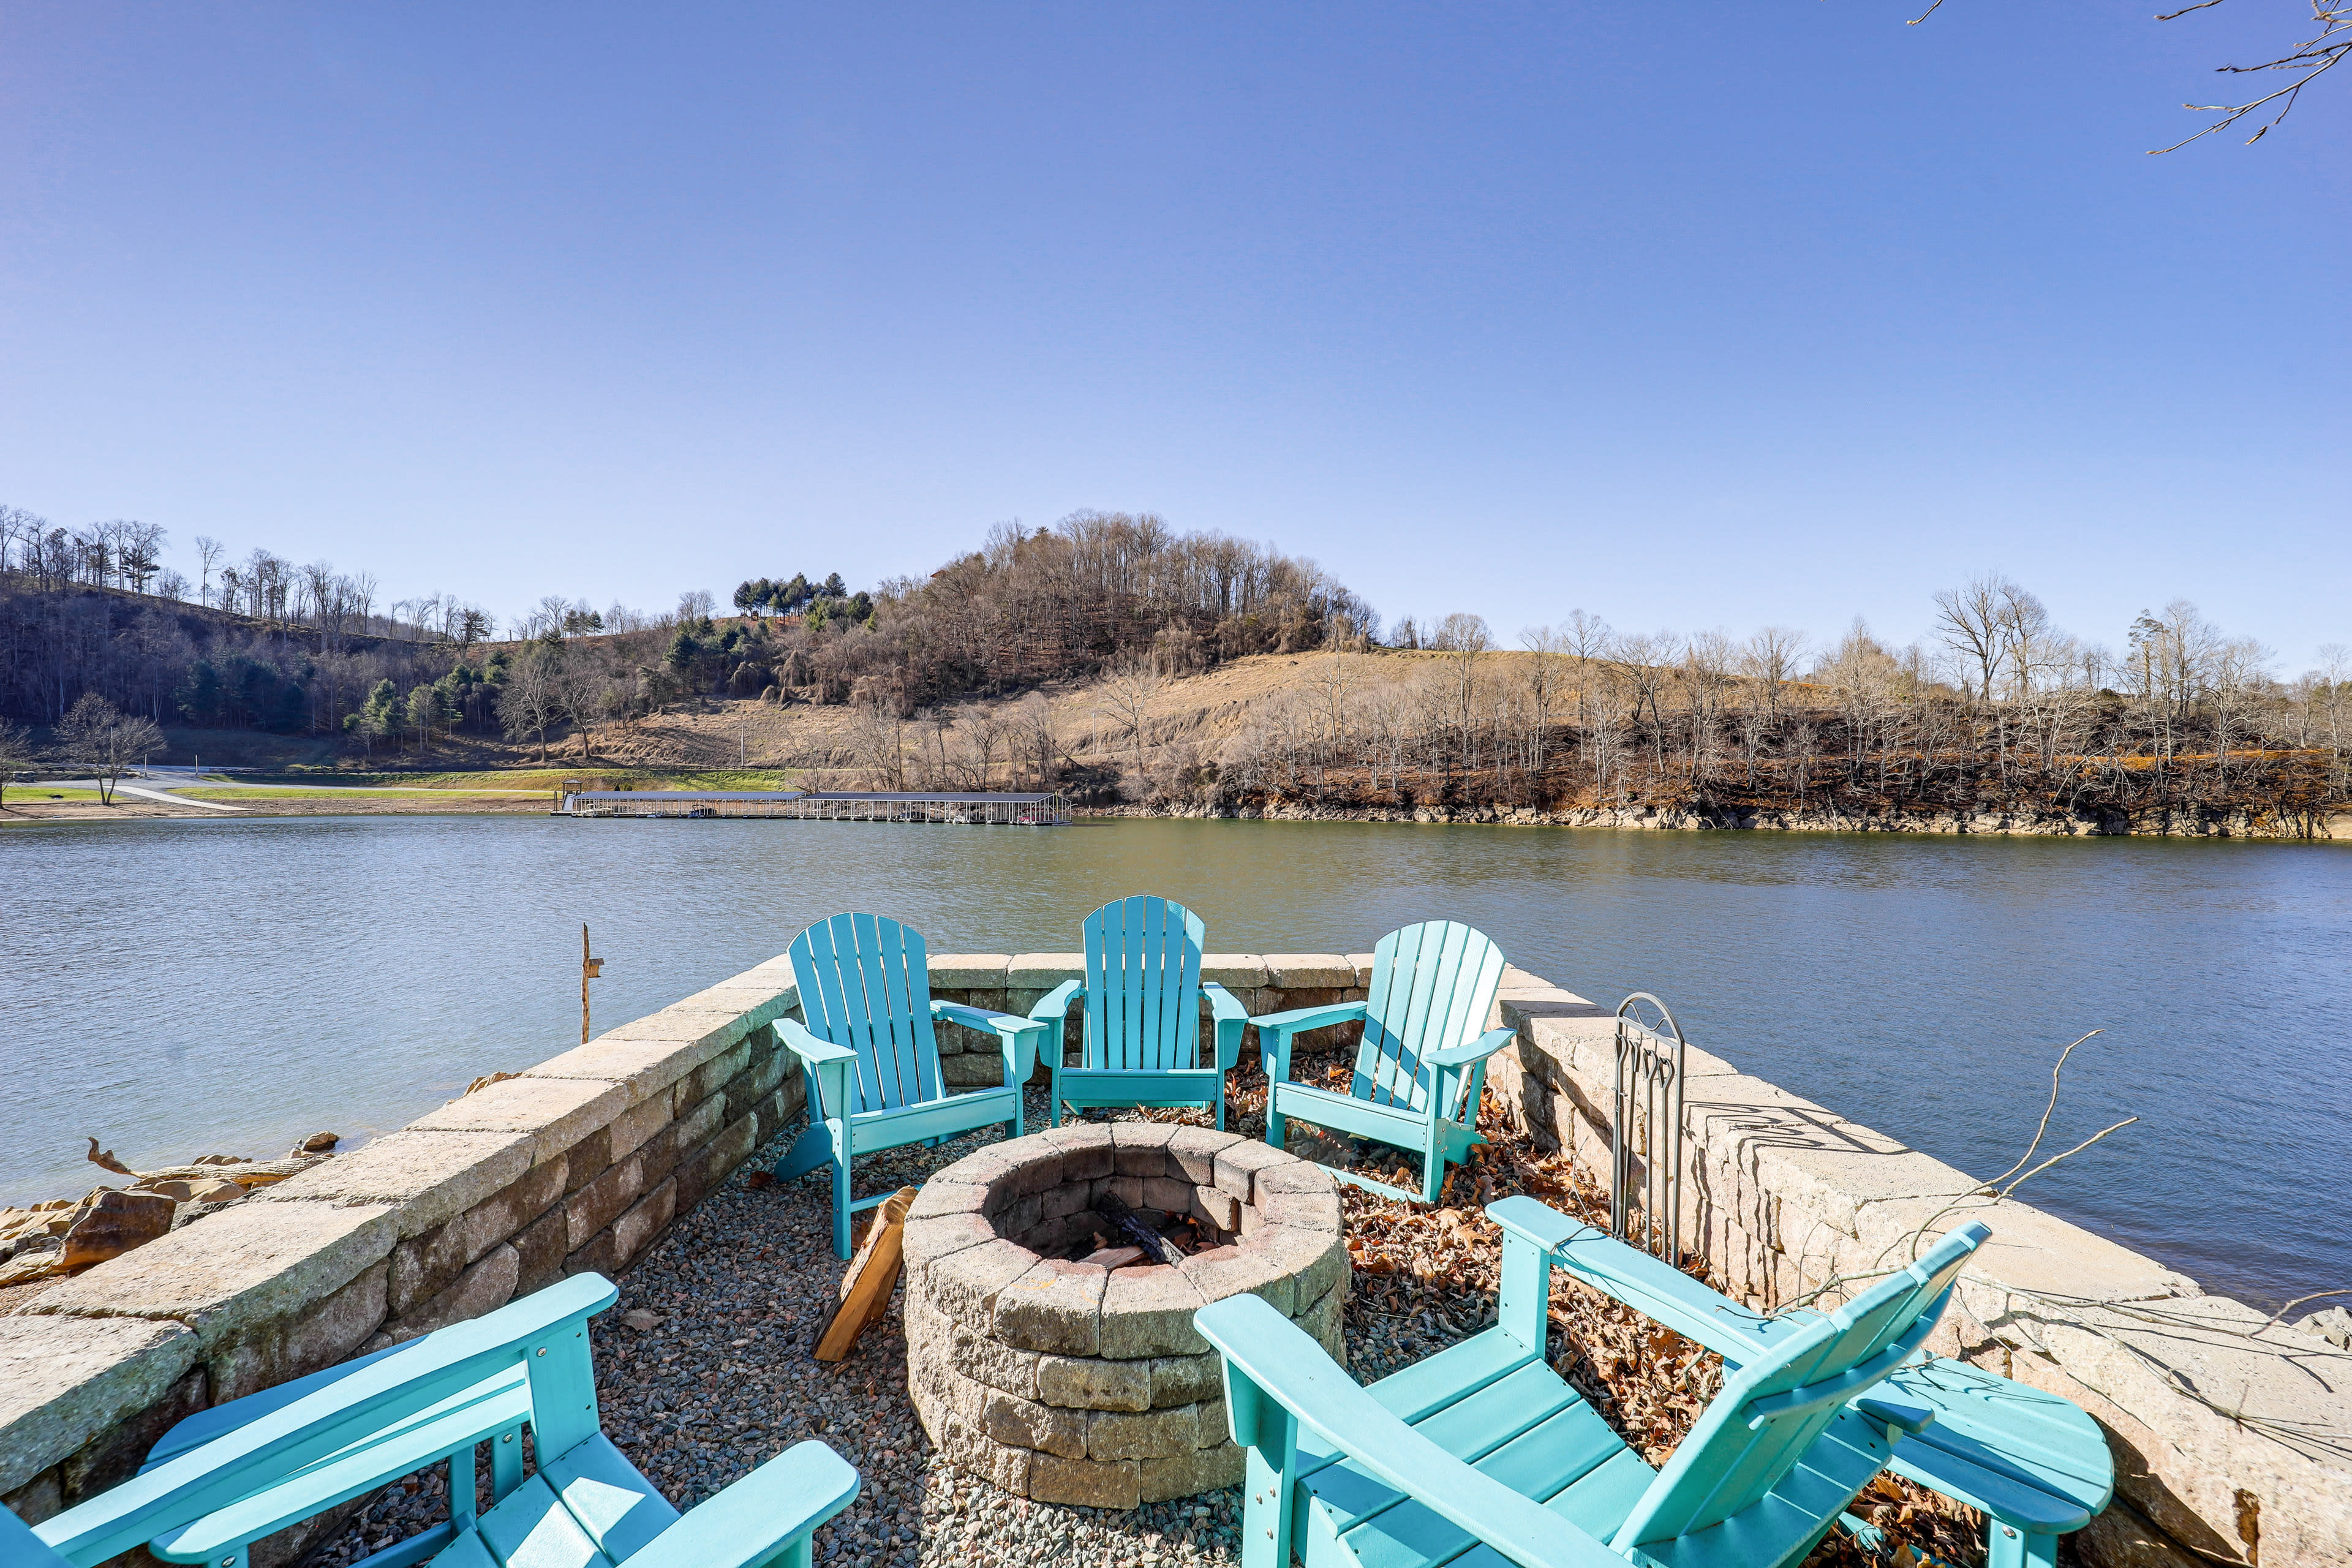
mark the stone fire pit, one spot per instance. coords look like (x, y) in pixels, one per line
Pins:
(1069, 1383)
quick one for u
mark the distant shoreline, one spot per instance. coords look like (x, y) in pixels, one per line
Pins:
(2337, 829)
(25, 806)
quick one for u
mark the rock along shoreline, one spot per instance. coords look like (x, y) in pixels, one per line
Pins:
(2275, 827)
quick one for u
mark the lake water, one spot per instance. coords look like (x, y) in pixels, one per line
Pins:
(176, 988)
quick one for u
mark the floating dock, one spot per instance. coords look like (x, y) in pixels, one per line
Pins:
(973, 810)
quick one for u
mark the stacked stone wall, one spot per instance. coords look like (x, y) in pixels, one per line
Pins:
(578, 1163)
(575, 1164)
(2231, 1434)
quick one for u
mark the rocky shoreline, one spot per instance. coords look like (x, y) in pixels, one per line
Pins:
(61, 1238)
(2286, 826)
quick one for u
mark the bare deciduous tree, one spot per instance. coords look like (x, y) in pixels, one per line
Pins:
(208, 553)
(1125, 697)
(1967, 621)
(530, 703)
(2305, 60)
(17, 754)
(1771, 659)
(93, 734)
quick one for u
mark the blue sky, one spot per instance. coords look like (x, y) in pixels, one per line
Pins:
(1693, 317)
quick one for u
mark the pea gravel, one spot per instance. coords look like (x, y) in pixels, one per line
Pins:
(721, 1380)
(703, 1369)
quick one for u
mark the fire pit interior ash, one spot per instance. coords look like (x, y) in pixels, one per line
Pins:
(1048, 1352)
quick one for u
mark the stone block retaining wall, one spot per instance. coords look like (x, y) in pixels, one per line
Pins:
(2229, 1446)
(577, 1164)
(1261, 983)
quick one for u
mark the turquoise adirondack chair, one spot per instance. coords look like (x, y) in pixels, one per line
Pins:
(226, 1477)
(1481, 1454)
(2033, 1463)
(1142, 995)
(872, 1060)
(1423, 1063)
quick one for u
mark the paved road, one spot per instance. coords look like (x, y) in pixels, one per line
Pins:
(125, 786)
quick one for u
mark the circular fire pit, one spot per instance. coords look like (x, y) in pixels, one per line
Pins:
(1040, 1356)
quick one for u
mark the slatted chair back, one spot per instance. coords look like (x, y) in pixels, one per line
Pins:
(1143, 986)
(1767, 1417)
(542, 1339)
(1433, 987)
(866, 985)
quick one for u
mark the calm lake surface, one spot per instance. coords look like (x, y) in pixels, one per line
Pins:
(176, 988)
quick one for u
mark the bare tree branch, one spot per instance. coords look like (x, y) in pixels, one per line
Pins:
(2315, 54)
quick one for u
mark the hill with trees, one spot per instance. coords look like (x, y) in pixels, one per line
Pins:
(1125, 661)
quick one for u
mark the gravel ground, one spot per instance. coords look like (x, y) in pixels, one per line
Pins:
(703, 1368)
(723, 1381)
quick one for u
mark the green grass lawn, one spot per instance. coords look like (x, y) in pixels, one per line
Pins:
(23, 794)
(547, 779)
(326, 792)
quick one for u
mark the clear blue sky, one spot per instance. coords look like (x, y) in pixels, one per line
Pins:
(1693, 316)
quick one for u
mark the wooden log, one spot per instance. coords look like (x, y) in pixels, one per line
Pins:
(1113, 1257)
(873, 1274)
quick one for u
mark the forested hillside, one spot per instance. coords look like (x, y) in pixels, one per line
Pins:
(1122, 660)
(272, 646)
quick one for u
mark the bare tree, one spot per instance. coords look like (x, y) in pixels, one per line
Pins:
(1646, 661)
(1465, 640)
(1548, 644)
(2311, 58)
(1039, 739)
(2318, 53)
(1126, 697)
(1706, 668)
(17, 754)
(2334, 680)
(578, 682)
(20, 537)
(2025, 633)
(1771, 659)
(208, 553)
(877, 737)
(1969, 622)
(530, 703)
(93, 735)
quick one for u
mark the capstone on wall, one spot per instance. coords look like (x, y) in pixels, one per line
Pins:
(578, 1163)
(2233, 1434)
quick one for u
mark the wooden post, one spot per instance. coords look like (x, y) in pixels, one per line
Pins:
(590, 969)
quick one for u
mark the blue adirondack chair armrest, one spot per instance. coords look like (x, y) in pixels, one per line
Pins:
(1649, 1285)
(1056, 1003)
(1893, 1413)
(1230, 1019)
(20, 1548)
(830, 1063)
(1269, 1358)
(1477, 1050)
(808, 1047)
(217, 1473)
(1276, 1031)
(1020, 1036)
(747, 1524)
